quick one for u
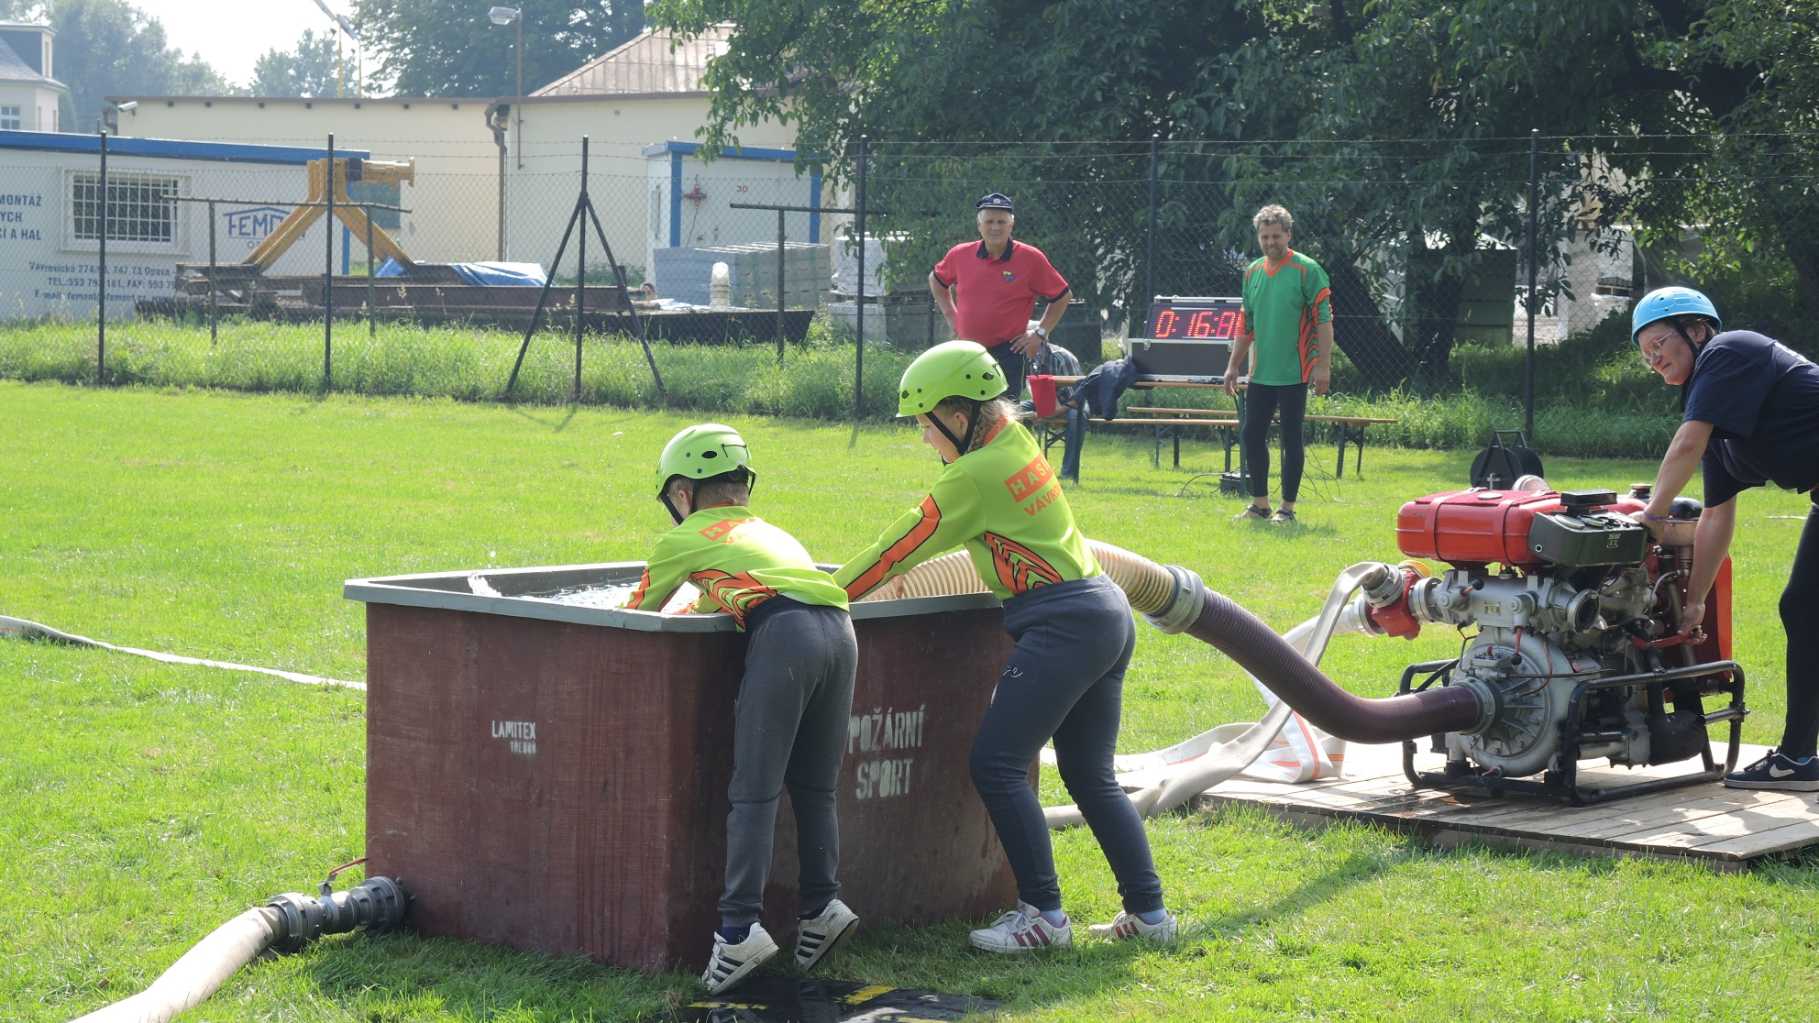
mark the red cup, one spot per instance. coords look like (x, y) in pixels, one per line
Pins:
(1042, 392)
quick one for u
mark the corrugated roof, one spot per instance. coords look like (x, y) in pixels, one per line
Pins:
(654, 62)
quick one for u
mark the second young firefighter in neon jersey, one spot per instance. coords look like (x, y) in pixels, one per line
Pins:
(999, 499)
(790, 720)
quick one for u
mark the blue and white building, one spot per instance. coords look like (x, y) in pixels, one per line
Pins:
(50, 217)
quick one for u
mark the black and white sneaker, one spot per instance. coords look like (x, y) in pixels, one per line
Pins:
(1775, 771)
(728, 964)
(817, 936)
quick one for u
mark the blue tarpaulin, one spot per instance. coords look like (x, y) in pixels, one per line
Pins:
(511, 275)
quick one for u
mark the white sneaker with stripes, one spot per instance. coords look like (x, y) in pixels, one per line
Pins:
(1022, 930)
(817, 936)
(730, 963)
(1130, 925)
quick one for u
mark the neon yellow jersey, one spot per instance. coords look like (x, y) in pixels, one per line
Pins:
(738, 561)
(1003, 502)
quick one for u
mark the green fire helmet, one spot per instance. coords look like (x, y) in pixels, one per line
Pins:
(701, 451)
(951, 369)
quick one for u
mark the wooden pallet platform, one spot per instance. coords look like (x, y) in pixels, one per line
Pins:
(1725, 828)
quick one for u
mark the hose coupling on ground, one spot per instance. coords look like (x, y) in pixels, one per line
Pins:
(376, 903)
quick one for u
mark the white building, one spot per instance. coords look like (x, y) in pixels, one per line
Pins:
(499, 179)
(454, 196)
(30, 95)
(51, 207)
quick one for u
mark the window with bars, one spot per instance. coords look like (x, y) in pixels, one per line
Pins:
(139, 208)
(12, 118)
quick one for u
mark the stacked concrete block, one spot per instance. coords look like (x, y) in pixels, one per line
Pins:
(683, 273)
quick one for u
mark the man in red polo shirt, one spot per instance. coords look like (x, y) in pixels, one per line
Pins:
(988, 290)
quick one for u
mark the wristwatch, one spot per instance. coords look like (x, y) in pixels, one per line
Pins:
(1041, 332)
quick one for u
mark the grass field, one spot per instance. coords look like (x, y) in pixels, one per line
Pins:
(142, 804)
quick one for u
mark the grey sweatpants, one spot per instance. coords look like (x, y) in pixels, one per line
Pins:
(789, 729)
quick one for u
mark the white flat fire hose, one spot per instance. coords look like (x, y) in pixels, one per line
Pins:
(20, 628)
(1164, 779)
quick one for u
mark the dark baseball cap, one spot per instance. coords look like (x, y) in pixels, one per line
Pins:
(995, 201)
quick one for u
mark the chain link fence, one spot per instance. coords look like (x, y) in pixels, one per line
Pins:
(1443, 256)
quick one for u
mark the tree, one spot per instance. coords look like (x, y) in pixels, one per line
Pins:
(1397, 130)
(993, 83)
(450, 48)
(312, 68)
(110, 48)
(1658, 117)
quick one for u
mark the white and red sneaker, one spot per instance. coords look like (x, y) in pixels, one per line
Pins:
(1022, 930)
(1129, 925)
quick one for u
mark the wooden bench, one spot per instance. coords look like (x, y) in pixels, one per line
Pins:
(1346, 430)
(1168, 422)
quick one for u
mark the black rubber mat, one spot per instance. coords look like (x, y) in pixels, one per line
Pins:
(772, 999)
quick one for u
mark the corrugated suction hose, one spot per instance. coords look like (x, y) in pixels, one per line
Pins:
(1244, 638)
(1174, 600)
(1148, 586)
(286, 923)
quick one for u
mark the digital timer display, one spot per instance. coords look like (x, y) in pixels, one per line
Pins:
(1209, 319)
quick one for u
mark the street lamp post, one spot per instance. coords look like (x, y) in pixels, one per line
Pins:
(514, 16)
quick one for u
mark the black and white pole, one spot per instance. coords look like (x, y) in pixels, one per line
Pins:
(1528, 373)
(1149, 256)
(859, 316)
(328, 272)
(213, 332)
(101, 276)
(581, 271)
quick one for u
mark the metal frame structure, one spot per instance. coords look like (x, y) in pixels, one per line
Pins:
(1724, 677)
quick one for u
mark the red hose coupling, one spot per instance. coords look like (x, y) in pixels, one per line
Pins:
(1392, 615)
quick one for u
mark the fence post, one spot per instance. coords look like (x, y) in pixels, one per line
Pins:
(371, 306)
(859, 307)
(780, 244)
(581, 272)
(1528, 374)
(101, 276)
(1149, 257)
(328, 273)
(213, 335)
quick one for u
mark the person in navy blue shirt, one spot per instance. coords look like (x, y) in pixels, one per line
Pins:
(1751, 416)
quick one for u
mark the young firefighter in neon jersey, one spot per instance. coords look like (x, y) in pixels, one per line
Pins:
(998, 497)
(790, 719)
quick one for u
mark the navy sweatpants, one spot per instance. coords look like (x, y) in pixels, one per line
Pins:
(1065, 681)
(1800, 620)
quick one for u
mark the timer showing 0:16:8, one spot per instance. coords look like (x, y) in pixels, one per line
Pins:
(1178, 323)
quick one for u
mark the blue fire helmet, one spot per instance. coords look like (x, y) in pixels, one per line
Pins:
(1665, 303)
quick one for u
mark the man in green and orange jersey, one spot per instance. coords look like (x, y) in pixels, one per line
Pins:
(790, 720)
(1285, 339)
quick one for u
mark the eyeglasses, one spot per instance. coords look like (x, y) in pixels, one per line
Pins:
(1651, 347)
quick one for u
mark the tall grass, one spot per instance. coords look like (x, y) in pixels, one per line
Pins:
(1594, 397)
